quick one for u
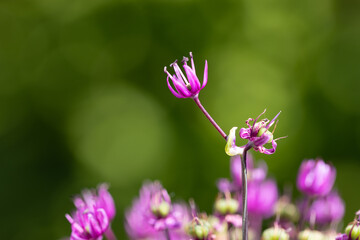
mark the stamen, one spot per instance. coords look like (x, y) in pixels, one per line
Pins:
(280, 138)
(275, 127)
(174, 63)
(272, 121)
(192, 62)
(184, 61)
(258, 117)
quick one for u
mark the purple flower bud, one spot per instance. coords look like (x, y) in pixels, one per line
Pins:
(328, 209)
(316, 178)
(93, 215)
(186, 86)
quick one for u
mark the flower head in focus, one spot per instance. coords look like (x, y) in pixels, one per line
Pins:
(315, 177)
(93, 214)
(257, 134)
(186, 86)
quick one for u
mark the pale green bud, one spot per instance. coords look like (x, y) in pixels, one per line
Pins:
(232, 205)
(164, 209)
(267, 132)
(221, 206)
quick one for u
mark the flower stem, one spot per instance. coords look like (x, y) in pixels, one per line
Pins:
(244, 195)
(207, 115)
(110, 234)
(167, 234)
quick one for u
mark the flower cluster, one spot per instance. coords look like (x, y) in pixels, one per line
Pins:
(242, 203)
(93, 215)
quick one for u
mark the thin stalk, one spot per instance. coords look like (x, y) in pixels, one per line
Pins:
(207, 115)
(229, 232)
(167, 234)
(110, 234)
(244, 195)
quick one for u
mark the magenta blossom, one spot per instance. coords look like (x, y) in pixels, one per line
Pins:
(153, 213)
(189, 86)
(328, 209)
(316, 178)
(93, 215)
(258, 134)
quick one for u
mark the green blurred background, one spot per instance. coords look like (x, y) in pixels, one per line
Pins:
(84, 98)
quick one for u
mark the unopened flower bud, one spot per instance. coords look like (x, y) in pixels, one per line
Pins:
(225, 206)
(310, 235)
(221, 206)
(353, 231)
(232, 205)
(164, 209)
(199, 228)
(275, 233)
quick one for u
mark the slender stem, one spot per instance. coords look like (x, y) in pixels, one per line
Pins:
(304, 213)
(244, 195)
(167, 234)
(110, 234)
(207, 115)
(229, 231)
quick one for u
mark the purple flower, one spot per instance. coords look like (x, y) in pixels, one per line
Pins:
(153, 212)
(258, 134)
(316, 178)
(93, 214)
(328, 209)
(189, 86)
(262, 197)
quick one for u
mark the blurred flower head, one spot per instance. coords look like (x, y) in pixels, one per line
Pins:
(328, 209)
(315, 177)
(186, 86)
(262, 197)
(153, 212)
(93, 214)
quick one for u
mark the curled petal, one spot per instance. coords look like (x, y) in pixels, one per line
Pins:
(245, 133)
(230, 148)
(268, 151)
(181, 88)
(172, 90)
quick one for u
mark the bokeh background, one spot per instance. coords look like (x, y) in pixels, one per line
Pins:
(84, 99)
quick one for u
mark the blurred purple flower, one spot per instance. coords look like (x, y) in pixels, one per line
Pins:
(153, 213)
(93, 215)
(316, 178)
(328, 209)
(262, 197)
(254, 174)
(258, 134)
(189, 86)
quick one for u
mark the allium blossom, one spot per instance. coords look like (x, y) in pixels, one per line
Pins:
(316, 178)
(152, 213)
(93, 214)
(186, 86)
(257, 134)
